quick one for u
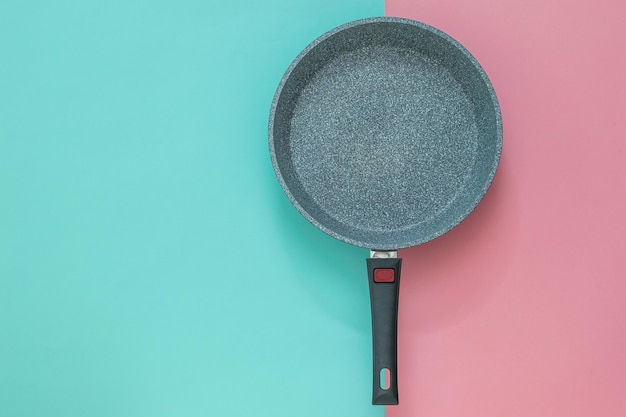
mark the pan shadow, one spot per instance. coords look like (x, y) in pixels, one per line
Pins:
(446, 280)
(332, 272)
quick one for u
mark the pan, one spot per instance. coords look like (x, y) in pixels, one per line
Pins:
(385, 133)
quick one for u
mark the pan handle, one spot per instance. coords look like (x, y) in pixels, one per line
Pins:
(384, 283)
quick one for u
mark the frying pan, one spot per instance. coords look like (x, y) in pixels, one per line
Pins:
(385, 133)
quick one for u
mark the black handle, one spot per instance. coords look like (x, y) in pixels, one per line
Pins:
(384, 282)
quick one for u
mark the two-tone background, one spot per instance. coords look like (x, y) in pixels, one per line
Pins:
(151, 266)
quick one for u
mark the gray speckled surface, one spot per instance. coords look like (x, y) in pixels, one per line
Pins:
(385, 133)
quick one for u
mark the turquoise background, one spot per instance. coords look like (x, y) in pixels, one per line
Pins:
(150, 264)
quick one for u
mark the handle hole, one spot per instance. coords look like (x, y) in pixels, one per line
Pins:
(385, 378)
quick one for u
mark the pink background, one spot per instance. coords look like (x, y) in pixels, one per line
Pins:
(521, 310)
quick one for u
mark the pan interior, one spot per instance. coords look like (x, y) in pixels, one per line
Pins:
(385, 138)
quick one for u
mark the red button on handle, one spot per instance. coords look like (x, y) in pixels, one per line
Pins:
(384, 275)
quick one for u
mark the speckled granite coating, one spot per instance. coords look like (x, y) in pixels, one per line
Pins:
(385, 133)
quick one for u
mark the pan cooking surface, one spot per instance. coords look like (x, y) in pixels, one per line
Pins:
(383, 138)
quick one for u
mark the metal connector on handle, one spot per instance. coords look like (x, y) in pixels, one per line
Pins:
(383, 253)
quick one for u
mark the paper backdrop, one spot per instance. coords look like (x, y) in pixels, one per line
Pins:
(520, 311)
(150, 264)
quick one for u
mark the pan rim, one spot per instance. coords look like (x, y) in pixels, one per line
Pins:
(468, 209)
